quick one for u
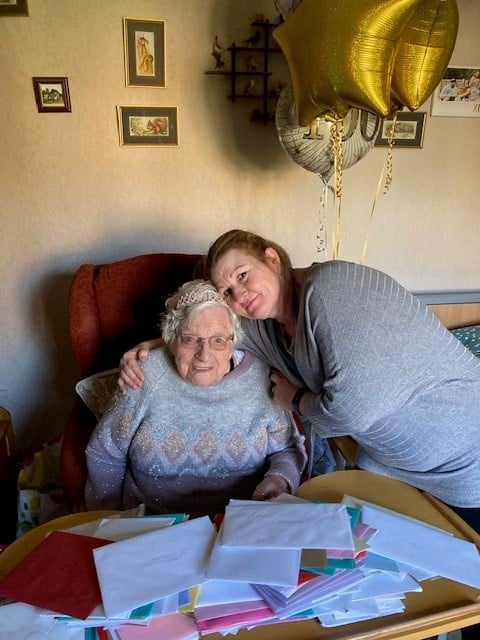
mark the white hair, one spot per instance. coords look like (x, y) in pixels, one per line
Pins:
(189, 299)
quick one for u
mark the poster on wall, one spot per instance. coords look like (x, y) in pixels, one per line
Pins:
(458, 93)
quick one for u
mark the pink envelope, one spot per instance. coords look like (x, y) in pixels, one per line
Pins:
(175, 626)
(221, 610)
(58, 574)
(246, 618)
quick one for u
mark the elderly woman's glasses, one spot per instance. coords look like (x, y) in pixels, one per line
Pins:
(217, 343)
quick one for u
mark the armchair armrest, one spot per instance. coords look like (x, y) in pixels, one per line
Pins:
(73, 467)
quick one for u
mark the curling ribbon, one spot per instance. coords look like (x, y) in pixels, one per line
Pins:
(386, 178)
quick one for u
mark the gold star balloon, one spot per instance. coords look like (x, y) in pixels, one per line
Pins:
(423, 52)
(341, 54)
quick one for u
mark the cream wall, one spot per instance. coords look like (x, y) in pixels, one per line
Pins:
(70, 194)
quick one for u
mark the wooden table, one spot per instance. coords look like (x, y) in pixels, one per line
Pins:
(442, 606)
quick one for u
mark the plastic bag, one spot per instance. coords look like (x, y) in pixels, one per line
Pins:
(39, 492)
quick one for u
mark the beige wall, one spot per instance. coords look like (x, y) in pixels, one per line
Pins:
(70, 194)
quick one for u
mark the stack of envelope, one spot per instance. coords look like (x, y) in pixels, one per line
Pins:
(269, 562)
(64, 591)
(262, 549)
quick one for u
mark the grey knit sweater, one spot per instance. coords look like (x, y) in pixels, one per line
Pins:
(177, 447)
(381, 368)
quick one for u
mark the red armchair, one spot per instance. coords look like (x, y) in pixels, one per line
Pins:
(112, 307)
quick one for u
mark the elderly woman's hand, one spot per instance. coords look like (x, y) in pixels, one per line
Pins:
(270, 487)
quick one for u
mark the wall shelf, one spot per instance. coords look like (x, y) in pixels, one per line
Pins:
(252, 64)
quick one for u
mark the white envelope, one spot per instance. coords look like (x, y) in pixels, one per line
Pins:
(149, 567)
(19, 621)
(288, 526)
(254, 564)
(123, 528)
(213, 592)
(405, 540)
(336, 618)
(385, 585)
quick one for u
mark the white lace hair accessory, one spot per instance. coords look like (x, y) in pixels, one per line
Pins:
(186, 300)
(198, 291)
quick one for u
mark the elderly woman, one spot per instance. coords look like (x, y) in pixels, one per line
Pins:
(202, 429)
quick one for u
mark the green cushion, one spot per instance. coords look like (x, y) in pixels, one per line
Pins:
(470, 337)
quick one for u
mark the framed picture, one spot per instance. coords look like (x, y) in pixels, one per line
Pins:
(144, 46)
(458, 93)
(52, 94)
(148, 126)
(409, 129)
(13, 8)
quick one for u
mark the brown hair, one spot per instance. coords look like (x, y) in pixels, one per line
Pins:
(251, 243)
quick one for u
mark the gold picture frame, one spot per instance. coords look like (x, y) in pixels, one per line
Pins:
(144, 48)
(13, 8)
(148, 126)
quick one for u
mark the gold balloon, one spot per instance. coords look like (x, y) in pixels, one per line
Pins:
(341, 54)
(423, 52)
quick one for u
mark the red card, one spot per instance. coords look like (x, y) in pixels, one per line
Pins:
(58, 574)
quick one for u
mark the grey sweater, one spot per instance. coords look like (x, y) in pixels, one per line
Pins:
(381, 368)
(177, 447)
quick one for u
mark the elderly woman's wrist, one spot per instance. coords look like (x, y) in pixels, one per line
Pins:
(297, 398)
(279, 480)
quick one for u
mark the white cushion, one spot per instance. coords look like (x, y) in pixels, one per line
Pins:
(96, 391)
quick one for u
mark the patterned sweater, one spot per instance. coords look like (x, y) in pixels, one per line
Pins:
(182, 448)
(381, 368)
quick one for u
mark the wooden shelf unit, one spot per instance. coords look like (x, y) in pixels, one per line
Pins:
(238, 56)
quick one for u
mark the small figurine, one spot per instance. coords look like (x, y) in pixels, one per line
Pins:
(250, 42)
(276, 87)
(259, 17)
(251, 63)
(249, 88)
(217, 51)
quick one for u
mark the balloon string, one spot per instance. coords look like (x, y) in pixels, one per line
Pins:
(387, 173)
(336, 136)
(322, 220)
(336, 231)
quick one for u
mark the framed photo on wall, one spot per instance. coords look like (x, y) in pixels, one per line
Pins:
(13, 8)
(409, 129)
(458, 93)
(52, 94)
(148, 126)
(144, 47)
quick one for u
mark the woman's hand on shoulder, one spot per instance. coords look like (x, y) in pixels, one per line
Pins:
(131, 374)
(270, 487)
